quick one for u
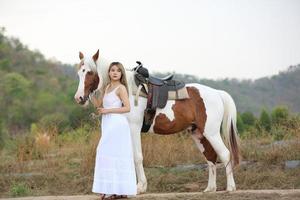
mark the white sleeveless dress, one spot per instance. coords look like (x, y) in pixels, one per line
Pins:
(114, 166)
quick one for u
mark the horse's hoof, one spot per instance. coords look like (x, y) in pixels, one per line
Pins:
(141, 188)
(230, 188)
(210, 189)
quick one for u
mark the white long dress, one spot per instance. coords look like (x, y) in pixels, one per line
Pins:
(114, 166)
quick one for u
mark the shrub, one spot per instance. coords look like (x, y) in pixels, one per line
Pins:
(19, 189)
(280, 114)
(79, 115)
(278, 132)
(58, 120)
(248, 118)
(240, 124)
(264, 120)
(25, 148)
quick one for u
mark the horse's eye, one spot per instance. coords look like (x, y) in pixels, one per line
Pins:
(83, 70)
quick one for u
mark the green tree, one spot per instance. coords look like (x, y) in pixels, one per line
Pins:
(248, 118)
(4, 64)
(279, 114)
(14, 85)
(15, 101)
(240, 124)
(264, 120)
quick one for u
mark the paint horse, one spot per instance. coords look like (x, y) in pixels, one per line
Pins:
(212, 108)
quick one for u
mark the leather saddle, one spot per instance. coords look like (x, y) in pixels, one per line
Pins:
(157, 90)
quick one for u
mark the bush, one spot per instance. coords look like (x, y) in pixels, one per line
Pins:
(278, 132)
(25, 148)
(280, 114)
(19, 189)
(240, 124)
(248, 119)
(264, 120)
(58, 120)
(79, 115)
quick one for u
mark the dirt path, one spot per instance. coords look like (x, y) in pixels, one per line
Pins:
(238, 195)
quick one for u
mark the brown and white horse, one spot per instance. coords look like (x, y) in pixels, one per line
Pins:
(208, 108)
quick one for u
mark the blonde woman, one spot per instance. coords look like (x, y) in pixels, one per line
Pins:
(114, 175)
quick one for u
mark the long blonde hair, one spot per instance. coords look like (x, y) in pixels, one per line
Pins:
(123, 78)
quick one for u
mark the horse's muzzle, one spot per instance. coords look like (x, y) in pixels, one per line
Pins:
(81, 100)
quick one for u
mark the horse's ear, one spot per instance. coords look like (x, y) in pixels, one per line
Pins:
(80, 55)
(96, 56)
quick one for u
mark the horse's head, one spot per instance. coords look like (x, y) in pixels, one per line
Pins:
(89, 80)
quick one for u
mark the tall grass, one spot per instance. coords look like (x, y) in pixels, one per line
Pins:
(170, 150)
(64, 163)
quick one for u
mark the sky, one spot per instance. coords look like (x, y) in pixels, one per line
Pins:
(215, 39)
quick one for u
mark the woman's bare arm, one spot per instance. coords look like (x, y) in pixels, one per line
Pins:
(97, 99)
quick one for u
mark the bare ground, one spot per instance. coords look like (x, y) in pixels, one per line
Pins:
(293, 194)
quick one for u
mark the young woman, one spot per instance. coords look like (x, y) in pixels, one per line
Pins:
(114, 175)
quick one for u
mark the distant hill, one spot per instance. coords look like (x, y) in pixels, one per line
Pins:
(34, 89)
(253, 95)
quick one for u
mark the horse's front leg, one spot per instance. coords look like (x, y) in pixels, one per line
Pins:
(138, 158)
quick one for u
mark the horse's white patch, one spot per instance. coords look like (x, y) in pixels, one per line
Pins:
(167, 110)
(83, 70)
(212, 175)
(198, 143)
(230, 181)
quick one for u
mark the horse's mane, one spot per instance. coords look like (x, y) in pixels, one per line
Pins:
(102, 70)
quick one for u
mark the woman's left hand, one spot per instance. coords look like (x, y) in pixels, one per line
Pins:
(102, 110)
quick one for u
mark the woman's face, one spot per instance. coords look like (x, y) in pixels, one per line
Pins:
(115, 73)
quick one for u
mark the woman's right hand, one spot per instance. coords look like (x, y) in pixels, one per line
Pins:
(102, 110)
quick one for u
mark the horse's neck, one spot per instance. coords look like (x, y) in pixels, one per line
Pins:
(102, 70)
(102, 67)
(130, 80)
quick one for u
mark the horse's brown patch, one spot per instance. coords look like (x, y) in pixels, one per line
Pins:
(91, 82)
(186, 112)
(209, 152)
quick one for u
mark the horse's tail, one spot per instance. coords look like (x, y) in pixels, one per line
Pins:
(229, 128)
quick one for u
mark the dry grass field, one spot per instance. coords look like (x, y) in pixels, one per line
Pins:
(37, 165)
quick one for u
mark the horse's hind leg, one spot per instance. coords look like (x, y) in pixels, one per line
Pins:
(211, 157)
(224, 154)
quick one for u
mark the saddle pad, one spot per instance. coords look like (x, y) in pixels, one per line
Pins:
(182, 93)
